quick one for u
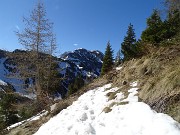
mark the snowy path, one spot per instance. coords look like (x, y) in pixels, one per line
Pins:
(85, 117)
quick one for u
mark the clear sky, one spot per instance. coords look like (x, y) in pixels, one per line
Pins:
(85, 24)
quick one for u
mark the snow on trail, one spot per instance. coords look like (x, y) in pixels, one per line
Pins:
(85, 117)
(118, 68)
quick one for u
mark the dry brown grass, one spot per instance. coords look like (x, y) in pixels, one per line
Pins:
(111, 95)
(59, 107)
(123, 103)
(107, 109)
(158, 74)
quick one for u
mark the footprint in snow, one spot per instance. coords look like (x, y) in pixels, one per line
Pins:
(70, 127)
(84, 117)
(91, 111)
(92, 117)
(85, 108)
(102, 124)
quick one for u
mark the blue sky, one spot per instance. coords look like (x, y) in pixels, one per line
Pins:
(78, 23)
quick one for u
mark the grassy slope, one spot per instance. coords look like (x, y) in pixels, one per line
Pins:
(158, 75)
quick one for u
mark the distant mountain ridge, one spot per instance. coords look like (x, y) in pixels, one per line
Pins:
(78, 62)
(81, 61)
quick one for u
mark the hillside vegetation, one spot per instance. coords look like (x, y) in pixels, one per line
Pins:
(158, 75)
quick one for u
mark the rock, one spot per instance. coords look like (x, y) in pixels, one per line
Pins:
(124, 82)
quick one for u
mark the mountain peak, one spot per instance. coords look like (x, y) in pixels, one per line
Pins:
(80, 61)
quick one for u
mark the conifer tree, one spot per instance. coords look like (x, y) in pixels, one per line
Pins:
(52, 80)
(171, 26)
(8, 113)
(174, 22)
(128, 46)
(107, 60)
(75, 85)
(153, 32)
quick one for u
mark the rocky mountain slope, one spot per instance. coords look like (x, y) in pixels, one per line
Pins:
(81, 61)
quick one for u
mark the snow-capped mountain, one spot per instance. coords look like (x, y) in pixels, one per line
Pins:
(86, 62)
(79, 62)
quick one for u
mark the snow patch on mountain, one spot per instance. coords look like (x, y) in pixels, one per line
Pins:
(3, 83)
(4, 76)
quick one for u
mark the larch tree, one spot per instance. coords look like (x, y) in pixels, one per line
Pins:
(118, 59)
(107, 60)
(172, 5)
(128, 46)
(40, 43)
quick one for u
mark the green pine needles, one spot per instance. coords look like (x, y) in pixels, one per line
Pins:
(158, 30)
(128, 46)
(108, 59)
